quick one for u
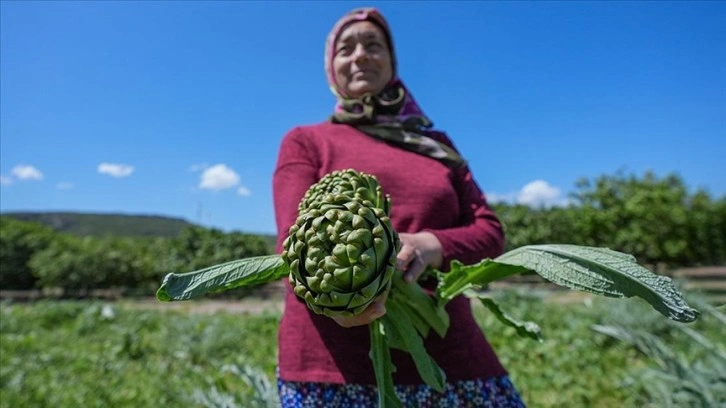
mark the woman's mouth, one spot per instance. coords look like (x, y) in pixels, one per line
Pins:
(363, 73)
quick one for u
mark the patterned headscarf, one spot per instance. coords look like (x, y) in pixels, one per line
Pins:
(393, 115)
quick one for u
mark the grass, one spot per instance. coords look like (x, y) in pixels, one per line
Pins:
(95, 354)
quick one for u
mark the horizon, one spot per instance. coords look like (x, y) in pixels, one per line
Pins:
(177, 109)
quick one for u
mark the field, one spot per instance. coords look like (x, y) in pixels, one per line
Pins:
(148, 354)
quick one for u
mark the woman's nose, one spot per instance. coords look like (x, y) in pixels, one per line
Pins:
(360, 52)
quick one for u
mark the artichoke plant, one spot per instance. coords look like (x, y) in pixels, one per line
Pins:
(342, 249)
(340, 255)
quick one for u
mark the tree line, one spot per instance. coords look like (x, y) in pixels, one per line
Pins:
(33, 255)
(656, 219)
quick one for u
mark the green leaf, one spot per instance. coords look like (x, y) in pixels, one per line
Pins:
(603, 272)
(461, 278)
(397, 323)
(524, 329)
(243, 272)
(421, 305)
(383, 367)
(421, 325)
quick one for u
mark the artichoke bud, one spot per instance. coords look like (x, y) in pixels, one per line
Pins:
(342, 248)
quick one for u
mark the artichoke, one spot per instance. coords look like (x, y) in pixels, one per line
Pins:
(342, 249)
(351, 183)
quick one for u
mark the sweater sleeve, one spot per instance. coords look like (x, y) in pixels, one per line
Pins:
(296, 170)
(479, 233)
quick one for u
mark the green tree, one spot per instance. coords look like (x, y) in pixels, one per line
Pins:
(524, 225)
(84, 263)
(706, 230)
(18, 242)
(645, 216)
(198, 247)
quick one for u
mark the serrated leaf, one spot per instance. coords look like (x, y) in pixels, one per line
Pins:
(243, 272)
(524, 329)
(602, 271)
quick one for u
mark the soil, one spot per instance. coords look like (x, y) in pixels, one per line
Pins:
(252, 306)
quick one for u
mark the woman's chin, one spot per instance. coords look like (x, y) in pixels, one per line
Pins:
(360, 88)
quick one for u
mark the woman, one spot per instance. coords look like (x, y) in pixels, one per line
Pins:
(437, 208)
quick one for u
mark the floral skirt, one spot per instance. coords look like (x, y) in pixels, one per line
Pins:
(496, 392)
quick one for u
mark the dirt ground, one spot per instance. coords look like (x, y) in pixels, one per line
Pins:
(251, 306)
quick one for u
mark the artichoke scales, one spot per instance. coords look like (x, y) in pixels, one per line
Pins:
(342, 248)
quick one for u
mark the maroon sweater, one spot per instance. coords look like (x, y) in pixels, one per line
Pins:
(425, 195)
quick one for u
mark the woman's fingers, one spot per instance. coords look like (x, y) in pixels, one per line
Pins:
(374, 311)
(405, 256)
(418, 251)
(415, 269)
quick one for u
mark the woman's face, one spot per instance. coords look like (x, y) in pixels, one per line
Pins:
(362, 60)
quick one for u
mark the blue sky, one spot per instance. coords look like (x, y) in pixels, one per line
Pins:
(178, 108)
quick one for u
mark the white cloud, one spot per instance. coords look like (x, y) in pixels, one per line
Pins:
(64, 185)
(538, 193)
(115, 170)
(198, 167)
(5, 180)
(244, 191)
(24, 172)
(218, 177)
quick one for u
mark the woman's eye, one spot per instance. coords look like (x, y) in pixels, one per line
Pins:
(374, 46)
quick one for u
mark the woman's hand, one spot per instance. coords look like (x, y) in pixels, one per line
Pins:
(418, 252)
(375, 310)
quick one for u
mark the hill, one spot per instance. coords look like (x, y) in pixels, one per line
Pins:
(105, 224)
